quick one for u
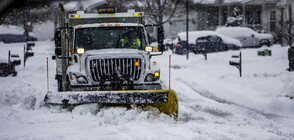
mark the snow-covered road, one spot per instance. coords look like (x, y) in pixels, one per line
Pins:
(215, 103)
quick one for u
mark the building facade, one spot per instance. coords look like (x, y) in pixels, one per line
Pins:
(260, 15)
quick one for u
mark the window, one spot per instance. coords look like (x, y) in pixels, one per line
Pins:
(273, 20)
(106, 37)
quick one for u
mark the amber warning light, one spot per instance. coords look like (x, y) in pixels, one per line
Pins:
(106, 10)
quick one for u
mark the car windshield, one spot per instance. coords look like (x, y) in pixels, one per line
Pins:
(110, 37)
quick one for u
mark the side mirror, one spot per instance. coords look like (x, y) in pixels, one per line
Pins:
(57, 38)
(160, 38)
(57, 51)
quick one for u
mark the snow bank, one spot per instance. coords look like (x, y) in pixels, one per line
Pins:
(214, 102)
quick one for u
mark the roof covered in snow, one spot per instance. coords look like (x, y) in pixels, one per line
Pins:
(282, 3)
(224, 2)
(11, 29)
(219, 1)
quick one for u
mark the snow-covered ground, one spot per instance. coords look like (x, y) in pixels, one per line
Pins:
(215, 103)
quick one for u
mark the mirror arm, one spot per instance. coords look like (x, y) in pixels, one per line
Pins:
(69, 58)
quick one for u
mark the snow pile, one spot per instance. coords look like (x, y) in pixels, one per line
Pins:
(16, 48)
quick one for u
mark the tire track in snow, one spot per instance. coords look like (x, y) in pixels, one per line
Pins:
(231, 113)
(207, 94)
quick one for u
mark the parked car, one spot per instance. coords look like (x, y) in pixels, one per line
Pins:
(180, 41)
(14, 34)
(168, 43)
(247, 36)
(211, 43)
(14, 38)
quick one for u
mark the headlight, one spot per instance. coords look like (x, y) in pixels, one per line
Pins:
(80, 50)
(148, 49)
(152, 77)
(149, 78)
(78, 78)
(82, 79)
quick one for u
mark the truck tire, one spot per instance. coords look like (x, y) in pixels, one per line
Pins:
(59, 84)
(67, 85)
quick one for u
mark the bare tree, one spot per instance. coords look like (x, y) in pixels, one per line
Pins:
(158, 11)
(27, 16)
(286, 29)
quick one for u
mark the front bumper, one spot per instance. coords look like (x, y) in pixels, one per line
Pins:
(117, 87)
(111, 97)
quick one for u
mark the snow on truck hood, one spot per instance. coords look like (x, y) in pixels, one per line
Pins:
(114, 51)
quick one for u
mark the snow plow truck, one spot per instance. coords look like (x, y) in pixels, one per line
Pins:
(105, 58)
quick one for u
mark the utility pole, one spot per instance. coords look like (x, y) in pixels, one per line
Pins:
(187, 28)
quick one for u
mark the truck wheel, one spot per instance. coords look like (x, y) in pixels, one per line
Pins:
(59, 83)
(67, 85)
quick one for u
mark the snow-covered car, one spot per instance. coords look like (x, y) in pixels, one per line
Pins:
(211, 43)
(247, 36)
(180, 41)
(14, 38)
(168, 43)
(14, 34)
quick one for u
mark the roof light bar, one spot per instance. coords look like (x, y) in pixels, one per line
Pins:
(138, 14)
(106, 10)
(76, 16)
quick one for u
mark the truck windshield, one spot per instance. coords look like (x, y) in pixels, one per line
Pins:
(110, 37)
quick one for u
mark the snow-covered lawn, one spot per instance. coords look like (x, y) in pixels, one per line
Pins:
(215, 103)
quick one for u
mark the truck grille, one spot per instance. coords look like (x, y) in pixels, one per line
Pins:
(109, 69)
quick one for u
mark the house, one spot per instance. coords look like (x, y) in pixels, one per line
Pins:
(260, 15)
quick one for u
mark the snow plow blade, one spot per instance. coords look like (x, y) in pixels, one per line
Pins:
(165, 100)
